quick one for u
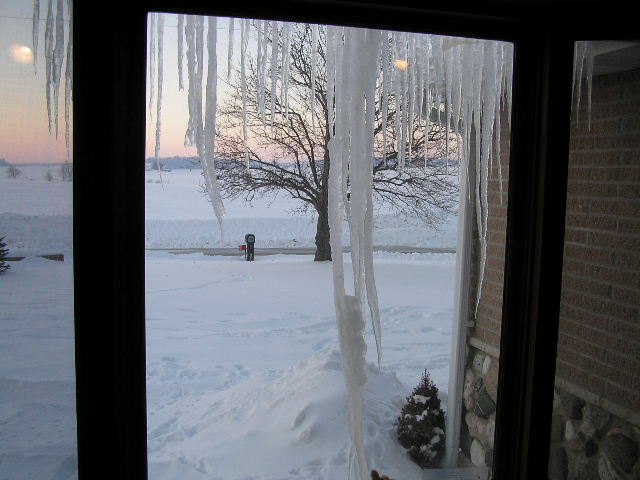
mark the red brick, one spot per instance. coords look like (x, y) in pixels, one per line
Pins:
(582, 317)
(573, 235)
(628, 296)
(631, 124)
(624, 354)
(592, 189)
(630, 225)
(577, 205)
(624, 329)
(622, 395)
(620, 141)
(614, 207)
(630, 157)
(581, 377)
(612, 240)
(593, 222)
(589, 158)
(629, 191)
(616, 174)
(630, 260)
(621, 277)
(586, 285)
(579, 345)
(588, 253)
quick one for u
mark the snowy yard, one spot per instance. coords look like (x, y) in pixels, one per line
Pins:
(243, 371)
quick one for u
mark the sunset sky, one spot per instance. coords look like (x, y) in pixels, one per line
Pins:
(24, 135)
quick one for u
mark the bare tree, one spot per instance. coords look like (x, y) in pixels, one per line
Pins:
(287, 148)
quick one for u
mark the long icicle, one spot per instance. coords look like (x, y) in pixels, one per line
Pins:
(230, 49)
(159, 75)
(48, 54)
(244, 36)
(211, 102)
(58, 58)
(314, 68)
(386, 78)
(68, 82)
(263, 72)
(152, 61)
(274, 67)
(35, 27)
(180, 28)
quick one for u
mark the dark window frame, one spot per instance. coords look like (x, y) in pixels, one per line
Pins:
(109, 132)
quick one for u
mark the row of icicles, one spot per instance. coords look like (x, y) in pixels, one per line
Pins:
(462, 84)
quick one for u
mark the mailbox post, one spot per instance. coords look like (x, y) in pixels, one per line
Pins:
(250, 240)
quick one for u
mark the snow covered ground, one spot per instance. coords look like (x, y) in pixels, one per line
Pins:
(243, 371)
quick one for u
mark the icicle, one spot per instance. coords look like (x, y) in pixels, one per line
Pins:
(68, 82)
(397, 98)
(500, 59)
(508, 78)
(160, 64)
(259, 60)
(152, 61)
(428, 99)
(286, 66)
(476, 112)
(486, 138)
(48, 53)
(199, 31)
(274, 67)
(386, 78)
(411, 73)
(244, 37)
(331, 76)
(230, 50)
(211, 101)
(589, 75)
(448, 84)
(58, 58)
(438, 68)
(193, 96)
(36, 33)
(180, 50)
(351, 150)
(579, 54)
(314, 62)
(263, 73)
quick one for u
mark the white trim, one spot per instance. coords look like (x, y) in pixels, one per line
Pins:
(459, 330)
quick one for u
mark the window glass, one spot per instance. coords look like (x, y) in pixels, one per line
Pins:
(596, 409)
(37, 379)
(244, 371)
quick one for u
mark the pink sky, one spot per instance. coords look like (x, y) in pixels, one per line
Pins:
(24, 136)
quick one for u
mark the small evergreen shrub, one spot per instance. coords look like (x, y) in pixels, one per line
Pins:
(421, 424)
(4, 253)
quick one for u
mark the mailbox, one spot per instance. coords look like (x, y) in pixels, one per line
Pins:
(249, 240)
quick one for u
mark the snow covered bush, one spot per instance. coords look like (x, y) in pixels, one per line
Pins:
(3, 255)
(421, 424)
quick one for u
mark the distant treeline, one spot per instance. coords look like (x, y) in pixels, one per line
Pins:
(174, 163)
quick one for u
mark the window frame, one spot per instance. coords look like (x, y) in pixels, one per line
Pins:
(109, 84)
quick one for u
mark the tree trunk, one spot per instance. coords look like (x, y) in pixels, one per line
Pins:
(323, 246)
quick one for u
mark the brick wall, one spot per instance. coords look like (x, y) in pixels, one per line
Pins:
(489, 312)
(599, 336)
